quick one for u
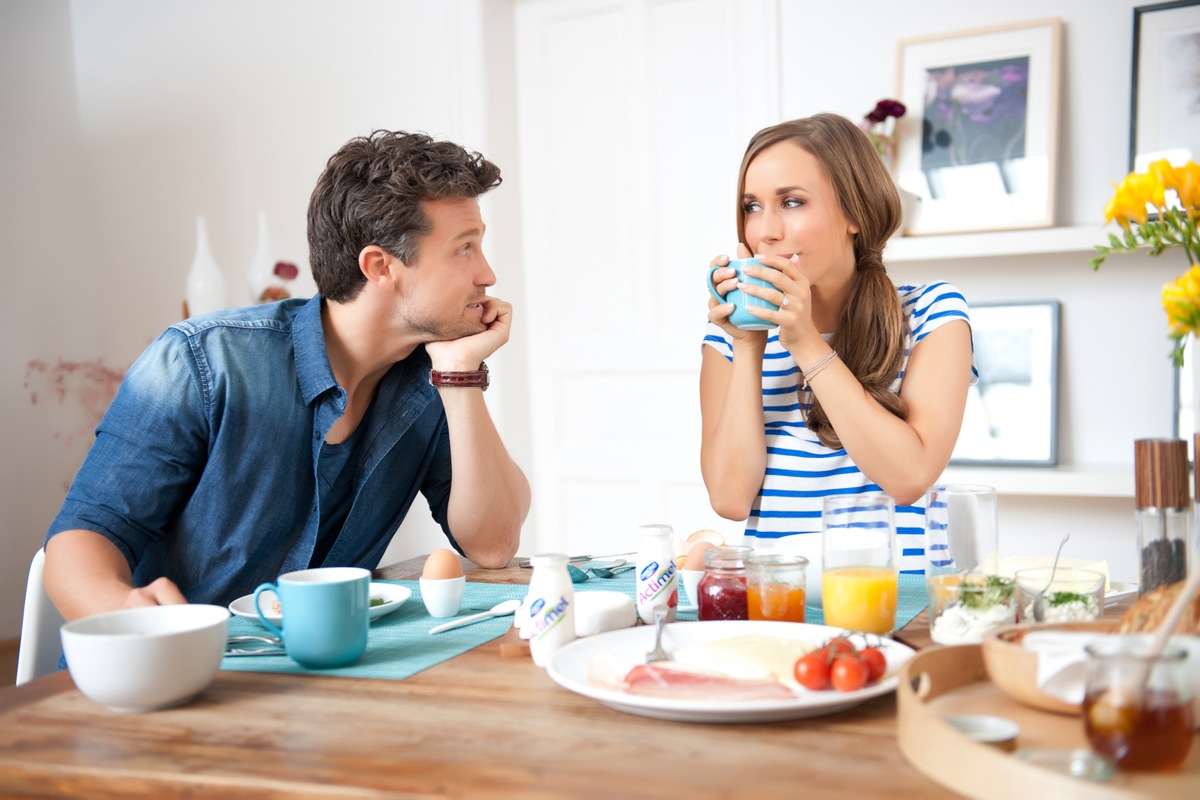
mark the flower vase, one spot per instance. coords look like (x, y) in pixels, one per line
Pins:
(260, 274)
(910, 210)
(205, 290)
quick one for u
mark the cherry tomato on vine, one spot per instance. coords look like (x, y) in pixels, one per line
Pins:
(848, 673)
(838, 646)
(812, 671)
(876, 663)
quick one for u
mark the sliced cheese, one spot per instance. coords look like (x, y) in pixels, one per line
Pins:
(752, 656)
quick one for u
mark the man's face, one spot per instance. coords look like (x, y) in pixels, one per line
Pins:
(445, 287)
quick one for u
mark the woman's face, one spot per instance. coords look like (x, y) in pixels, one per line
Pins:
(791, 208)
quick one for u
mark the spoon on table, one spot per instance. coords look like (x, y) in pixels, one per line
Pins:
(1039, 602)
(499, 610)
(610, 570)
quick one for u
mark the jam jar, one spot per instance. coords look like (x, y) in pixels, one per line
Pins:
(722, 587)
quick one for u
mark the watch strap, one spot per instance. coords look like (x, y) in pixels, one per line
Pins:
(472, 378)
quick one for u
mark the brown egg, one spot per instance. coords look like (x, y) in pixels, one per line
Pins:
(442, 565)
(695, 556)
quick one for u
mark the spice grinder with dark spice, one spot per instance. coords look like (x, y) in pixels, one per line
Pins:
(1163, 500)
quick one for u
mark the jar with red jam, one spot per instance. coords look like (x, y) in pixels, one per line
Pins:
(1137, 709)
(722, 587)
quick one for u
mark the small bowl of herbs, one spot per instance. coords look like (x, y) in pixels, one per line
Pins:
(1071, 594)
(962, 608)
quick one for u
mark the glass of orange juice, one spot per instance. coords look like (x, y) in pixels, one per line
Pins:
(860, 580)
(775, 586)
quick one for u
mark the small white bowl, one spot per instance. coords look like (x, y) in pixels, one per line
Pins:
(443, 596)
(143, 659)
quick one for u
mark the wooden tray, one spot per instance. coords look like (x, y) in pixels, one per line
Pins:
(952, 680)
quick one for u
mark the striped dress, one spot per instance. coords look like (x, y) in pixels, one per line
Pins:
(801, 470)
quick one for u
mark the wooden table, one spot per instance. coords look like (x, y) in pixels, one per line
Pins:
(484, 724)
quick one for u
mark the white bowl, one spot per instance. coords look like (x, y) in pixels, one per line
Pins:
(142, 659)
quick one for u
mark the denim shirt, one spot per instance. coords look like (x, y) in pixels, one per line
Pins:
(204, 466)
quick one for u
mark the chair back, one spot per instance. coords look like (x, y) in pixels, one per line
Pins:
(41, 644)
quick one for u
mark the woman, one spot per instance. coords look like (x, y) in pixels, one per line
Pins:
(862, 387)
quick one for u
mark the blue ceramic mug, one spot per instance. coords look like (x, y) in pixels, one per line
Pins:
(741, 318)
(327, 612)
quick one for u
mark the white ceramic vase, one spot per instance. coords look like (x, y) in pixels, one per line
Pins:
(205, 290)
(261, 272)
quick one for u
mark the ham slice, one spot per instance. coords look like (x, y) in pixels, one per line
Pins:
(657, 680)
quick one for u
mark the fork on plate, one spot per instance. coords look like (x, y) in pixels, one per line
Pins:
(658, 653)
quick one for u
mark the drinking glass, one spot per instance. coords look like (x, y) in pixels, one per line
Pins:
(960, 530)
(860, 580)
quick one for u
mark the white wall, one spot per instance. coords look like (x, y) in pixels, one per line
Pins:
(124, 119)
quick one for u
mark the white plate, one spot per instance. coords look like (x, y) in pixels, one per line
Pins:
(392, 594)
(569, 668)
(1117, 590)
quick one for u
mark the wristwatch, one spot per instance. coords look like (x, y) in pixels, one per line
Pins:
(475, 377)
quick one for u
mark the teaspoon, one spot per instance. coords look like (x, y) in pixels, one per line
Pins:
(499, 610)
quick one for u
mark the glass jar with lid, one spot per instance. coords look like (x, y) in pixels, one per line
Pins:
(722, 587)
(775, 586)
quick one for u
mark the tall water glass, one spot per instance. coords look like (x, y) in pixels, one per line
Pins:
(860, 580)
(961, 535)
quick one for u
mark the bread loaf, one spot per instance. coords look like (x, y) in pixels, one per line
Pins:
(1147, 613)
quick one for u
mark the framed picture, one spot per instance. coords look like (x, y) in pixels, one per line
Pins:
(1164, 115)
(980, 141)
(1012, 412)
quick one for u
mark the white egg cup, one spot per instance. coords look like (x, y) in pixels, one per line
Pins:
(443, 596)
(691, 584)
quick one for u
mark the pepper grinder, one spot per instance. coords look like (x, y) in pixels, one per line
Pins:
(1163, 506)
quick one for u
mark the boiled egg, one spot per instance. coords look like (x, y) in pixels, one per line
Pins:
(695, 555)
(442, 565)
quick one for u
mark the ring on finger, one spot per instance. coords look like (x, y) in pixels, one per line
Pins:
(785, 301)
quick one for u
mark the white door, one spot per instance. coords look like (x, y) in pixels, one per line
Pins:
(633, 117)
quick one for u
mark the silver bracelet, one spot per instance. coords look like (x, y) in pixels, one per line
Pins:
(811, 372)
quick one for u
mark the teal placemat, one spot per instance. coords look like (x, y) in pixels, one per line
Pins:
(400, 644)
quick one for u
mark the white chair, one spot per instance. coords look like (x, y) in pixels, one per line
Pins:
(41, 644)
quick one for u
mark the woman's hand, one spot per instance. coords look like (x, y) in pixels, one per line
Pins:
(725, 281)
(792, 292)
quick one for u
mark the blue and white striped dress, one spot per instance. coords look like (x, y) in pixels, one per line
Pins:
(801, 470)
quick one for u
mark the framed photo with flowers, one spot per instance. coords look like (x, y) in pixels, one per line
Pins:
(979, 143)
(1012, 411)
(1165, 109)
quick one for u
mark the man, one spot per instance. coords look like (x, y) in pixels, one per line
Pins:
(251, 442)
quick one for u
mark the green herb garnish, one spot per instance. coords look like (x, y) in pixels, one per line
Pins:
(993, 591)
(1063, 598)
(377, 601)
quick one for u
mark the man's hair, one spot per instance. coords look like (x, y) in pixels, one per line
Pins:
(371, 193)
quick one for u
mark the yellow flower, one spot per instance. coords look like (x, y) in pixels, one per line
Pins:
(1181, 300)
(1127, 205)
(1187, 185)
(1173, 225)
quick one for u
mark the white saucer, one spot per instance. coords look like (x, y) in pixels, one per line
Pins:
(393, 597)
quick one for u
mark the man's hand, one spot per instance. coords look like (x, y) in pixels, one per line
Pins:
(85, 574)
(161, 592)
(465, 354)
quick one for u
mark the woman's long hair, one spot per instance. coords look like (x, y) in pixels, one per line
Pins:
(870, 335)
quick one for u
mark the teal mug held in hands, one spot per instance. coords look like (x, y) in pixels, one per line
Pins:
(741, 318)
(326, 612)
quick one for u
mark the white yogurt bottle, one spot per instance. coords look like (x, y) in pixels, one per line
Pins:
(551, 606)
(657, 577)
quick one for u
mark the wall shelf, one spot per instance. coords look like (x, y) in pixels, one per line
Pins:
(904, 249)
(1063, 481)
